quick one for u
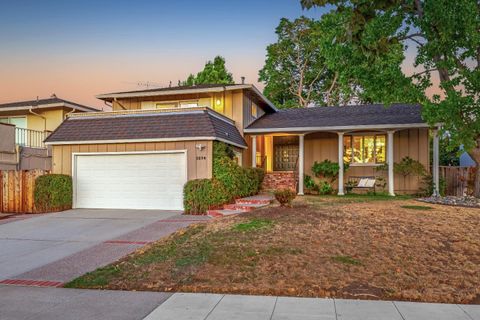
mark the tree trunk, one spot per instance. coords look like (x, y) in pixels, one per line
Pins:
(475, 154)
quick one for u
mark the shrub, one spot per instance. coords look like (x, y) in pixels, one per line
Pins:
(230, 181)
(327, 169)
(325, 188)
(202, 194)
(310, 183)
(408, 166)
(285, 197)
(53, 192)
(426, 189)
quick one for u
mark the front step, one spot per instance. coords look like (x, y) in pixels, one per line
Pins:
(242, 205)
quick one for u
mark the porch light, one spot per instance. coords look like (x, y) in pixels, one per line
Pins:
(218, 102)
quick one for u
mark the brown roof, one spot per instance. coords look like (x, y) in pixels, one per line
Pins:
(344, 116)
(43, 102)
(172, 125)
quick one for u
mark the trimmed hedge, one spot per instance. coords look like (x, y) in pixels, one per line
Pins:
(230, 181)
(53, 192)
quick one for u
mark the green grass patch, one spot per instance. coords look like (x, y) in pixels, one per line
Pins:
(347, 260)
(253, 224)
(414, 207)
(98, 278)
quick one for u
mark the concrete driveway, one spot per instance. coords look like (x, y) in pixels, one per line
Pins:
(61, 246)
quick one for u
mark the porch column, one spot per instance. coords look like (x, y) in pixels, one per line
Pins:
(391, 182)
(435, 169)
(254, 151)
(340, 164)
(301, 160)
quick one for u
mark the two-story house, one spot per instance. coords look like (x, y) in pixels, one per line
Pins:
(24, 125)
(141, 154)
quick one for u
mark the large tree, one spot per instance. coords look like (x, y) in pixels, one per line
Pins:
(213, 73)
(296, 71)
(443, 36)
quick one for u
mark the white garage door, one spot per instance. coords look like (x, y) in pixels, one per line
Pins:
(130, 181)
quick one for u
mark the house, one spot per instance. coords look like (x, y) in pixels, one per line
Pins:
(24, 125)
(141, 154)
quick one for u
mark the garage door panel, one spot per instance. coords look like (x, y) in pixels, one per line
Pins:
(130, 181)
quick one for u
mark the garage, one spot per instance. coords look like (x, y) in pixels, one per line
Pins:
(137, 180)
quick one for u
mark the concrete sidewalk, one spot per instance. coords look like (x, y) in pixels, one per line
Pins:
(197, 306)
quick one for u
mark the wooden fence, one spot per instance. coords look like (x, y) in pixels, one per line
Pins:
(16, 190)
(458, 180)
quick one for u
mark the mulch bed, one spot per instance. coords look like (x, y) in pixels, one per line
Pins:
(470, 202)
(371, 250)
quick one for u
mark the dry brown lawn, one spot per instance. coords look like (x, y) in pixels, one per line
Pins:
(322, 247)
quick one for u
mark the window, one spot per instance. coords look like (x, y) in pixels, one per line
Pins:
(364, 149)
(19, 122)
(166, 105)
(253, 110)
(188, 104)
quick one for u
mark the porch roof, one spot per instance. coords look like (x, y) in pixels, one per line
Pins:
(341, 118)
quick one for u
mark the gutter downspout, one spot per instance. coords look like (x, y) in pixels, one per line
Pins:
(39, 115)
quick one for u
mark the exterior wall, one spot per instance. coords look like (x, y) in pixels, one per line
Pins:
(324, 145)
(8, 154)
(199, 161)
(35, 158)
(53, 118)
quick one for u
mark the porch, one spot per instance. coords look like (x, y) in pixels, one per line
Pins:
(368, 152)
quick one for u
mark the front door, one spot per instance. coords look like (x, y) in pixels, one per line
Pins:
(286, 152)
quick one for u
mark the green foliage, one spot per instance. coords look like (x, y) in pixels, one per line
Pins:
(199, 195)
(347, 260)
(298, 69)
(53, 192)
(310, 183)
(213, 73)
(408, 166)
(449, 153)
(379, 38)
(285, 197)
(413, 207)
(230, 181)
(427, 187)
(327, 169)
(253, 224)
(325, 188)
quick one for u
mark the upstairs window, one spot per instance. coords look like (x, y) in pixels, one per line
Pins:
(364, 149)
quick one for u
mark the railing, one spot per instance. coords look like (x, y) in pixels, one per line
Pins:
(30, 138)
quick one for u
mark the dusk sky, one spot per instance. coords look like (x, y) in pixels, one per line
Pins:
(78, 49)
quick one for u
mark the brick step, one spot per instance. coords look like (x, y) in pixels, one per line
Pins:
(253, 201)
(222, 212)
(245, 207)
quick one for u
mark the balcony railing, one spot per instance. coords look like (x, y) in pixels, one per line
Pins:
(30, 138)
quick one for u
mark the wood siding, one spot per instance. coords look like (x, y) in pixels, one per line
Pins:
(324, 145)
(199, 162)
(16, 190)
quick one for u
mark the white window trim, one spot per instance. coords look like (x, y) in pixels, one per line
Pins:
(363, 135)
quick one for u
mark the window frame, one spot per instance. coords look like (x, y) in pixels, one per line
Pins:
(363, 135)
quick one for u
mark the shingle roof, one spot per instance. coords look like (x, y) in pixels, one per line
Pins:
(345, 116)
(41, 102)
(188, 124)
(198, 86)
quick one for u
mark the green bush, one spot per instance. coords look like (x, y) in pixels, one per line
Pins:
(327, 169)
(202, 194)
(325, 188)
(285, 197)
(53, 192)
(310, 183)
(230, 181)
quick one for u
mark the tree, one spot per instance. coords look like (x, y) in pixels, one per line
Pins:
(213, 73)
(296, 72)
(444, 38)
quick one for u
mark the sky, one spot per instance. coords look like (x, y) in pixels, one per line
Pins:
(78, 49)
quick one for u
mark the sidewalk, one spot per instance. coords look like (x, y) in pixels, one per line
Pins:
(197, 306)
(34, 303)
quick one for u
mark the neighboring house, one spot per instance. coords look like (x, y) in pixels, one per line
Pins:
(25, 125)
(466, 160)
(141, 154)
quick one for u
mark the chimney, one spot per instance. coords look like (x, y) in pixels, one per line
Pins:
(243, 80)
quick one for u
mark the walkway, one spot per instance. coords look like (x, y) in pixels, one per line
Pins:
(31, 303)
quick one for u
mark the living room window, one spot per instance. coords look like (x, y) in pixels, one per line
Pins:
(364, 149)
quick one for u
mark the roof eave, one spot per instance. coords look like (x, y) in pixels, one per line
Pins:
(338, 128)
